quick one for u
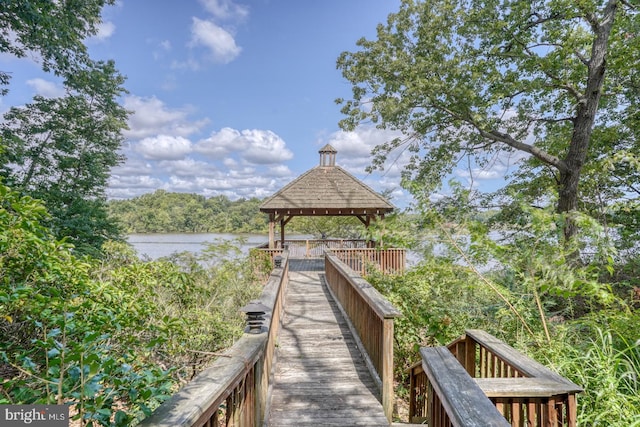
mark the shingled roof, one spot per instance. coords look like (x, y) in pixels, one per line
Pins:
(326, 189)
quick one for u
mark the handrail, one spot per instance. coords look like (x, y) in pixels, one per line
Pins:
(522, 390)
(371, 317)
(388, 261)
(314, 248)
(356, 253)
(520, 387)
(233, 390)
(454, 398)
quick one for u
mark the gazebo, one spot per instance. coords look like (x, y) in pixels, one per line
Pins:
(326, 190)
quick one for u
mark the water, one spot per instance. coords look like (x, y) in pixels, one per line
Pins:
(156, 245)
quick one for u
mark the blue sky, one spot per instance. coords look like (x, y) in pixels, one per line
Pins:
(231, 97)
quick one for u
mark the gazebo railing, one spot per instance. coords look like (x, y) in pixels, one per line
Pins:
(356, 253)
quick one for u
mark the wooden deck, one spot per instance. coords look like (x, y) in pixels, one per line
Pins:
(320, 378)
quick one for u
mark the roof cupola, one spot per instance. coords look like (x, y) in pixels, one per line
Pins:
(328, 156)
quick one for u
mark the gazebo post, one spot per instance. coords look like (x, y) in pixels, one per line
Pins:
(272, 230)
(282, 225)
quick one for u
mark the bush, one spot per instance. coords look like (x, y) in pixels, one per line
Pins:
(113, 337)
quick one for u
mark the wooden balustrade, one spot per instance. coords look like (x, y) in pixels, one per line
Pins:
(524, 391)
(314, 248)
(233, 390)
(389, 261)
(355, 253)
(371, 317)
(449, 396)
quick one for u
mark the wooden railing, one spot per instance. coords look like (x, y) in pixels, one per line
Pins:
(389, 261)
(233, 390)
(371, 318)
(314, 248)
(524, 391)
(355, 253)
(448, 396)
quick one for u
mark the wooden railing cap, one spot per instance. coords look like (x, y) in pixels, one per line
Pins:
(382, 306)
(210, 387)
(528, 366)
(463, 400)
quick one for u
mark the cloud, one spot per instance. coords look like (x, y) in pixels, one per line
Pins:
(164, 147)
(150, 116)
(354, 148)
(225, 9)
(105, 30)
(218, 41)
(188, 167)
(259, 147)
(46, 88)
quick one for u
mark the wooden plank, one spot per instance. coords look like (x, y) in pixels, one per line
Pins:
(522, 387)
(320, 377)
(380, 304)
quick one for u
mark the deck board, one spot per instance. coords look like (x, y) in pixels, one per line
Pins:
(320, 377)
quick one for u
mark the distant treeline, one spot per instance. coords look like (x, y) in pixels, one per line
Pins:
(165, 212)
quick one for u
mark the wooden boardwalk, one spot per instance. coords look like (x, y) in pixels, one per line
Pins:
(321, 378)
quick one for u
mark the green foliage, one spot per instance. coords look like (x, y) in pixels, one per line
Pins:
(61, 151)
(55, 30)
(113, 337)
(164, 212)
(598, 354)
(512, 277)
(438, 301)
(484, 79)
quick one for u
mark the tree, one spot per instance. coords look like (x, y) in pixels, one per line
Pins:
(485, 77)
(61, 150)
(55, 30)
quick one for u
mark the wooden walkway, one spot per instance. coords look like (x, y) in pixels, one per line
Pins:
(321, 378)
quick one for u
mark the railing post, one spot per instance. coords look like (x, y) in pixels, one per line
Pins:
(470, 356)
(387, 368)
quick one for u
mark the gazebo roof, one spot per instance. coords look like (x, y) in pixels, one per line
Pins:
(326, 189)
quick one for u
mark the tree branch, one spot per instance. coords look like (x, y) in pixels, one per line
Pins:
(527, 148)
(507, 139)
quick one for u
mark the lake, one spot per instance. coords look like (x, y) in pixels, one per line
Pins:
(156, 245)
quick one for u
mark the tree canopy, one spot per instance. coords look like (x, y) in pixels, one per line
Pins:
(54, 30)
(556, 80)
(61, 150)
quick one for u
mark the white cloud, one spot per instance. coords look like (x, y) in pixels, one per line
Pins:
(264, 147)
(354, 148)
(218, 41)
(160, 49)
(164, 147)
(280, 171)
(150, 116)
(46, 88)
(105, 30)
(188, 167)
(165, 45)
(225, 9)
(253, 146)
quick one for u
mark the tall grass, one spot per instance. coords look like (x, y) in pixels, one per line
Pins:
(607, 365)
